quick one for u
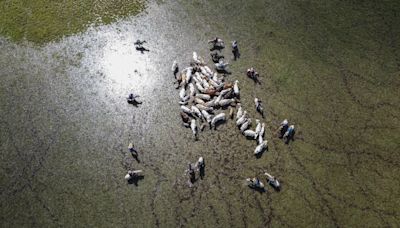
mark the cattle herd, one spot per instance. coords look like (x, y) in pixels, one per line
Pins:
(207, 99)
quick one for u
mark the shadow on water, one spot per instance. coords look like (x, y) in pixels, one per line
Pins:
(290, 138)
(192, 180)
(135, 156)
(224, 72)
(135, 180)
(135, 103)
(260, 190)
(202, 172)
(142, 49)
(217, 124)
(249, 137)
(277, 189)
(256, 80)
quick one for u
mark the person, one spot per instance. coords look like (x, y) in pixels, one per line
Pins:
(133, 96)
(192, 174)
(200, 163)
(132, 174)
(235, 50)
(256, 182)
(289, 133)
(217, 43)
(175, 68)
(215, 40)
(272, 179)
(259, 106)
(221, 66)
(283, 128)
(201, 167)
(251, 73)
(139, 43)
(132, 149)
(132, 99)
(139, 46)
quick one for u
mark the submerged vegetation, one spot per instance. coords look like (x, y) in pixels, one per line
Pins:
(41, 21)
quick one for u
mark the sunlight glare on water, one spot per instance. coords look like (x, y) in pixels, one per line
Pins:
(122, 64)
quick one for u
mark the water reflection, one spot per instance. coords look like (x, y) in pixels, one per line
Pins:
(110, 55)
(121, 60)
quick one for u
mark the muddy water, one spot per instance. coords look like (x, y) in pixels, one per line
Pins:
(66, 124)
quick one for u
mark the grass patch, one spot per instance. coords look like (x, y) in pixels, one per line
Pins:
(41, 21)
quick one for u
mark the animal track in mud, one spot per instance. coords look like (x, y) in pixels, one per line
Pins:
(309, 177)
(33, 165)
(346, 74)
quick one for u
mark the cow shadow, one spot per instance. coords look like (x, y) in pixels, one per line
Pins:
(135, 180)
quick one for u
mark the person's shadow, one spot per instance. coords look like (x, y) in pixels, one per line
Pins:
(255, 78)
(236, 54)
(134, 102)
(191, 181)
(202, 172)
(142, 49)
(135, 156)
(225, 72)
(176, 70)
(261, 112)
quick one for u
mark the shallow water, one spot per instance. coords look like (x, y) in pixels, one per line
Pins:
(66, 124)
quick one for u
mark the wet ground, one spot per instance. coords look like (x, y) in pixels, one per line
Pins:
(331, 68)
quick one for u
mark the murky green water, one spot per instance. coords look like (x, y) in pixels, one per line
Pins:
(331, 68)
